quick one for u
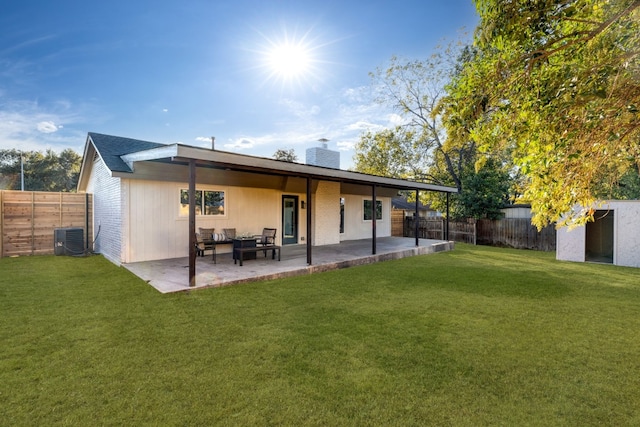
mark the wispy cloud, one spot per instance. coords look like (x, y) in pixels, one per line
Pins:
(341, 118)
(47, 127)
(26, 125)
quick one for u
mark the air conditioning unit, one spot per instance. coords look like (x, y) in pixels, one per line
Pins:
(68, 241)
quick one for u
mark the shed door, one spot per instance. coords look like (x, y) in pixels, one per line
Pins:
(599, 244)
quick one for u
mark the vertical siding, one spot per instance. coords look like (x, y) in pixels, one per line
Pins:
(107, 212)
(157, 231)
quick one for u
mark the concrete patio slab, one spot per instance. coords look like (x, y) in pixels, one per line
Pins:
(172, 275)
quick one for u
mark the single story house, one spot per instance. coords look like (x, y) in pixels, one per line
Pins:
(151, 198)
(612, 238)
(401, 203)
(517, 211)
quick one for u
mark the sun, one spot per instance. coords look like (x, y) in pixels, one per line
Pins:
(289, 59)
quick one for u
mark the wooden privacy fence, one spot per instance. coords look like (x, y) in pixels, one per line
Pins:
(510, 232)
(516, 233)
(28, 220)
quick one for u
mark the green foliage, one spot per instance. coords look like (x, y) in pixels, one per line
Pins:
(390, 152)
(286, 155)
(413, 89)
(419, 149)
(476, 336)
(42, 171)
(556, 85)
(485, 192)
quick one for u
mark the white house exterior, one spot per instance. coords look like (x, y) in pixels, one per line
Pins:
(614, 236)
(139, 190)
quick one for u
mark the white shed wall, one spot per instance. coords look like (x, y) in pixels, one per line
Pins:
(570, 244)
(626, 226)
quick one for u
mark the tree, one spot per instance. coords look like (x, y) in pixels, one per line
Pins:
(391, 152)
(285, 155)
(42, 171)
(418, 149)
(414, 89)
(556, 84)
(485, 191)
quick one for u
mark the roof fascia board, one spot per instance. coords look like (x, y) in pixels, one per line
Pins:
(89, 151)
(178, 152)
(231, 159)
(168, 151)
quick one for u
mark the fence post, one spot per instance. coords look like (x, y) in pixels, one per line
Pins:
(33, 222)
(86, 220)
(475, 232)
(417, 216)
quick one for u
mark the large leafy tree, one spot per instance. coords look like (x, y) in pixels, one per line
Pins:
(46, 171)
(414, 89)
(418, 149)
(556, 84)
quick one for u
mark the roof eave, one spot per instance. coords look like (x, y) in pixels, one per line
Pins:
(184, 153)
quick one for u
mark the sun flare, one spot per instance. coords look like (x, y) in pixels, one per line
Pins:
(290, 59)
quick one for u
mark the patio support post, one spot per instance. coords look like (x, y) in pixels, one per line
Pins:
(192, 222)
(309, 207)
(374, 209)
(416, 217)
(447, 226)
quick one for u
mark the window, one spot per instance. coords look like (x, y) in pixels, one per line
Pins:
(367, 210)
(207, 202)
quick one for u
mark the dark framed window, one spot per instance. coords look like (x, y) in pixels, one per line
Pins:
(367, 209)
(207, 202)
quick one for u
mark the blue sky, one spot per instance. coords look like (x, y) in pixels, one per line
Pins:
(183, 71)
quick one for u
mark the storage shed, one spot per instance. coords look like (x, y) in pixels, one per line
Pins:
(613, 238)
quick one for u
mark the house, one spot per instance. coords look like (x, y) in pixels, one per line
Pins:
(401, 203)
(612, 238)
(517, 211)
(143, 210)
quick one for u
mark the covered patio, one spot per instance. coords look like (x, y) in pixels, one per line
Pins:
(169, 275)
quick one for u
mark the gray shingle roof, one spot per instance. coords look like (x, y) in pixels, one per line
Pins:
(402, 203)
(110, 148)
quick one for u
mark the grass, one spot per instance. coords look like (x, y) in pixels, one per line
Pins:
(477, 336)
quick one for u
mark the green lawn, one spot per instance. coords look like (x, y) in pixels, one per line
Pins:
(477, 336)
